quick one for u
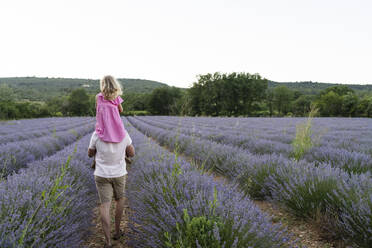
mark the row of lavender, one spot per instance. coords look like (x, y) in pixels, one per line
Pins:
(174, 205)
(305, 189)
(30, 125)
(233, 137)
(352, 134)
(337, 147)
(16, 155)
(281, 129)
(49, 203)
(43, 127)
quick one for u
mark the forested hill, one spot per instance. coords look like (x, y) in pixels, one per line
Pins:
(40, 89)
(217, 94)
(313, 88)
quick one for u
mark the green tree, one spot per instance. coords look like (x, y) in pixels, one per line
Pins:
(339, 90)
(135, 101)
(364, 107)
(210, 94)
(58, 105)
(270, 100)
(330, 104)
(282, 99)
(78, 102)
(8, 110)
(349, 104)
(301, 106)
(162, 99)
(6, 93)
(226, 94)
(195, 100)
(337, 101)
(252, 90)
(296, 94)
(180, 105)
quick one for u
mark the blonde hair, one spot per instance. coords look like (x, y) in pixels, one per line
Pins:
(110, 87)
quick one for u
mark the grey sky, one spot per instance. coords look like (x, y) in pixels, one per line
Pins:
(173, 41)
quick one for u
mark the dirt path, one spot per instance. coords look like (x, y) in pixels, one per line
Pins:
(97, 239)
(305, 233)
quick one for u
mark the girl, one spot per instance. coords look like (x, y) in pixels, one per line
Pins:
(109, 126)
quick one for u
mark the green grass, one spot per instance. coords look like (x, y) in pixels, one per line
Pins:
(303, 141)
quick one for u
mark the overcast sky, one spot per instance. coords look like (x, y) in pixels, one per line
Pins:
(173, 41)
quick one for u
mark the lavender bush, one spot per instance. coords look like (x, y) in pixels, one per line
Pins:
(224, 159)
(162, 188)
(16, 155)
(355, 157)
(250, 171)
(43, 128)
(30, 125)
(254, 178)
(351, 206)
(308, 188)
(346, 133)
(177, 206)
(245, 141)
(350, 161)
(49, 204)
(305, 188)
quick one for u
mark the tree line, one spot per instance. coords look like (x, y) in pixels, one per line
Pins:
(244, 94)
(77, 103)
(218, 94)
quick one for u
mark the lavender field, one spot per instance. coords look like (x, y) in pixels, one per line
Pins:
(47, 191)
(331, 181)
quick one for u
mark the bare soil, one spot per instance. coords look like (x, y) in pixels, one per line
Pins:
(306, 233)
(97, 238)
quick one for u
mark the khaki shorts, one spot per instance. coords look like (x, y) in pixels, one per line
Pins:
(108, 187)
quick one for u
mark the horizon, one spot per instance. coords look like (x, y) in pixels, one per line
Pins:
(120, 78)
(172, 43)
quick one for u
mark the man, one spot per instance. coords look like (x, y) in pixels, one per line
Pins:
(110, 175)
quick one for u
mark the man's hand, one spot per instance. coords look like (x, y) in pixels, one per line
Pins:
(129, 151)
(91, 152)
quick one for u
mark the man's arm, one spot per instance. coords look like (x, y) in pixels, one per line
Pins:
(92, 145)
(129, 151)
